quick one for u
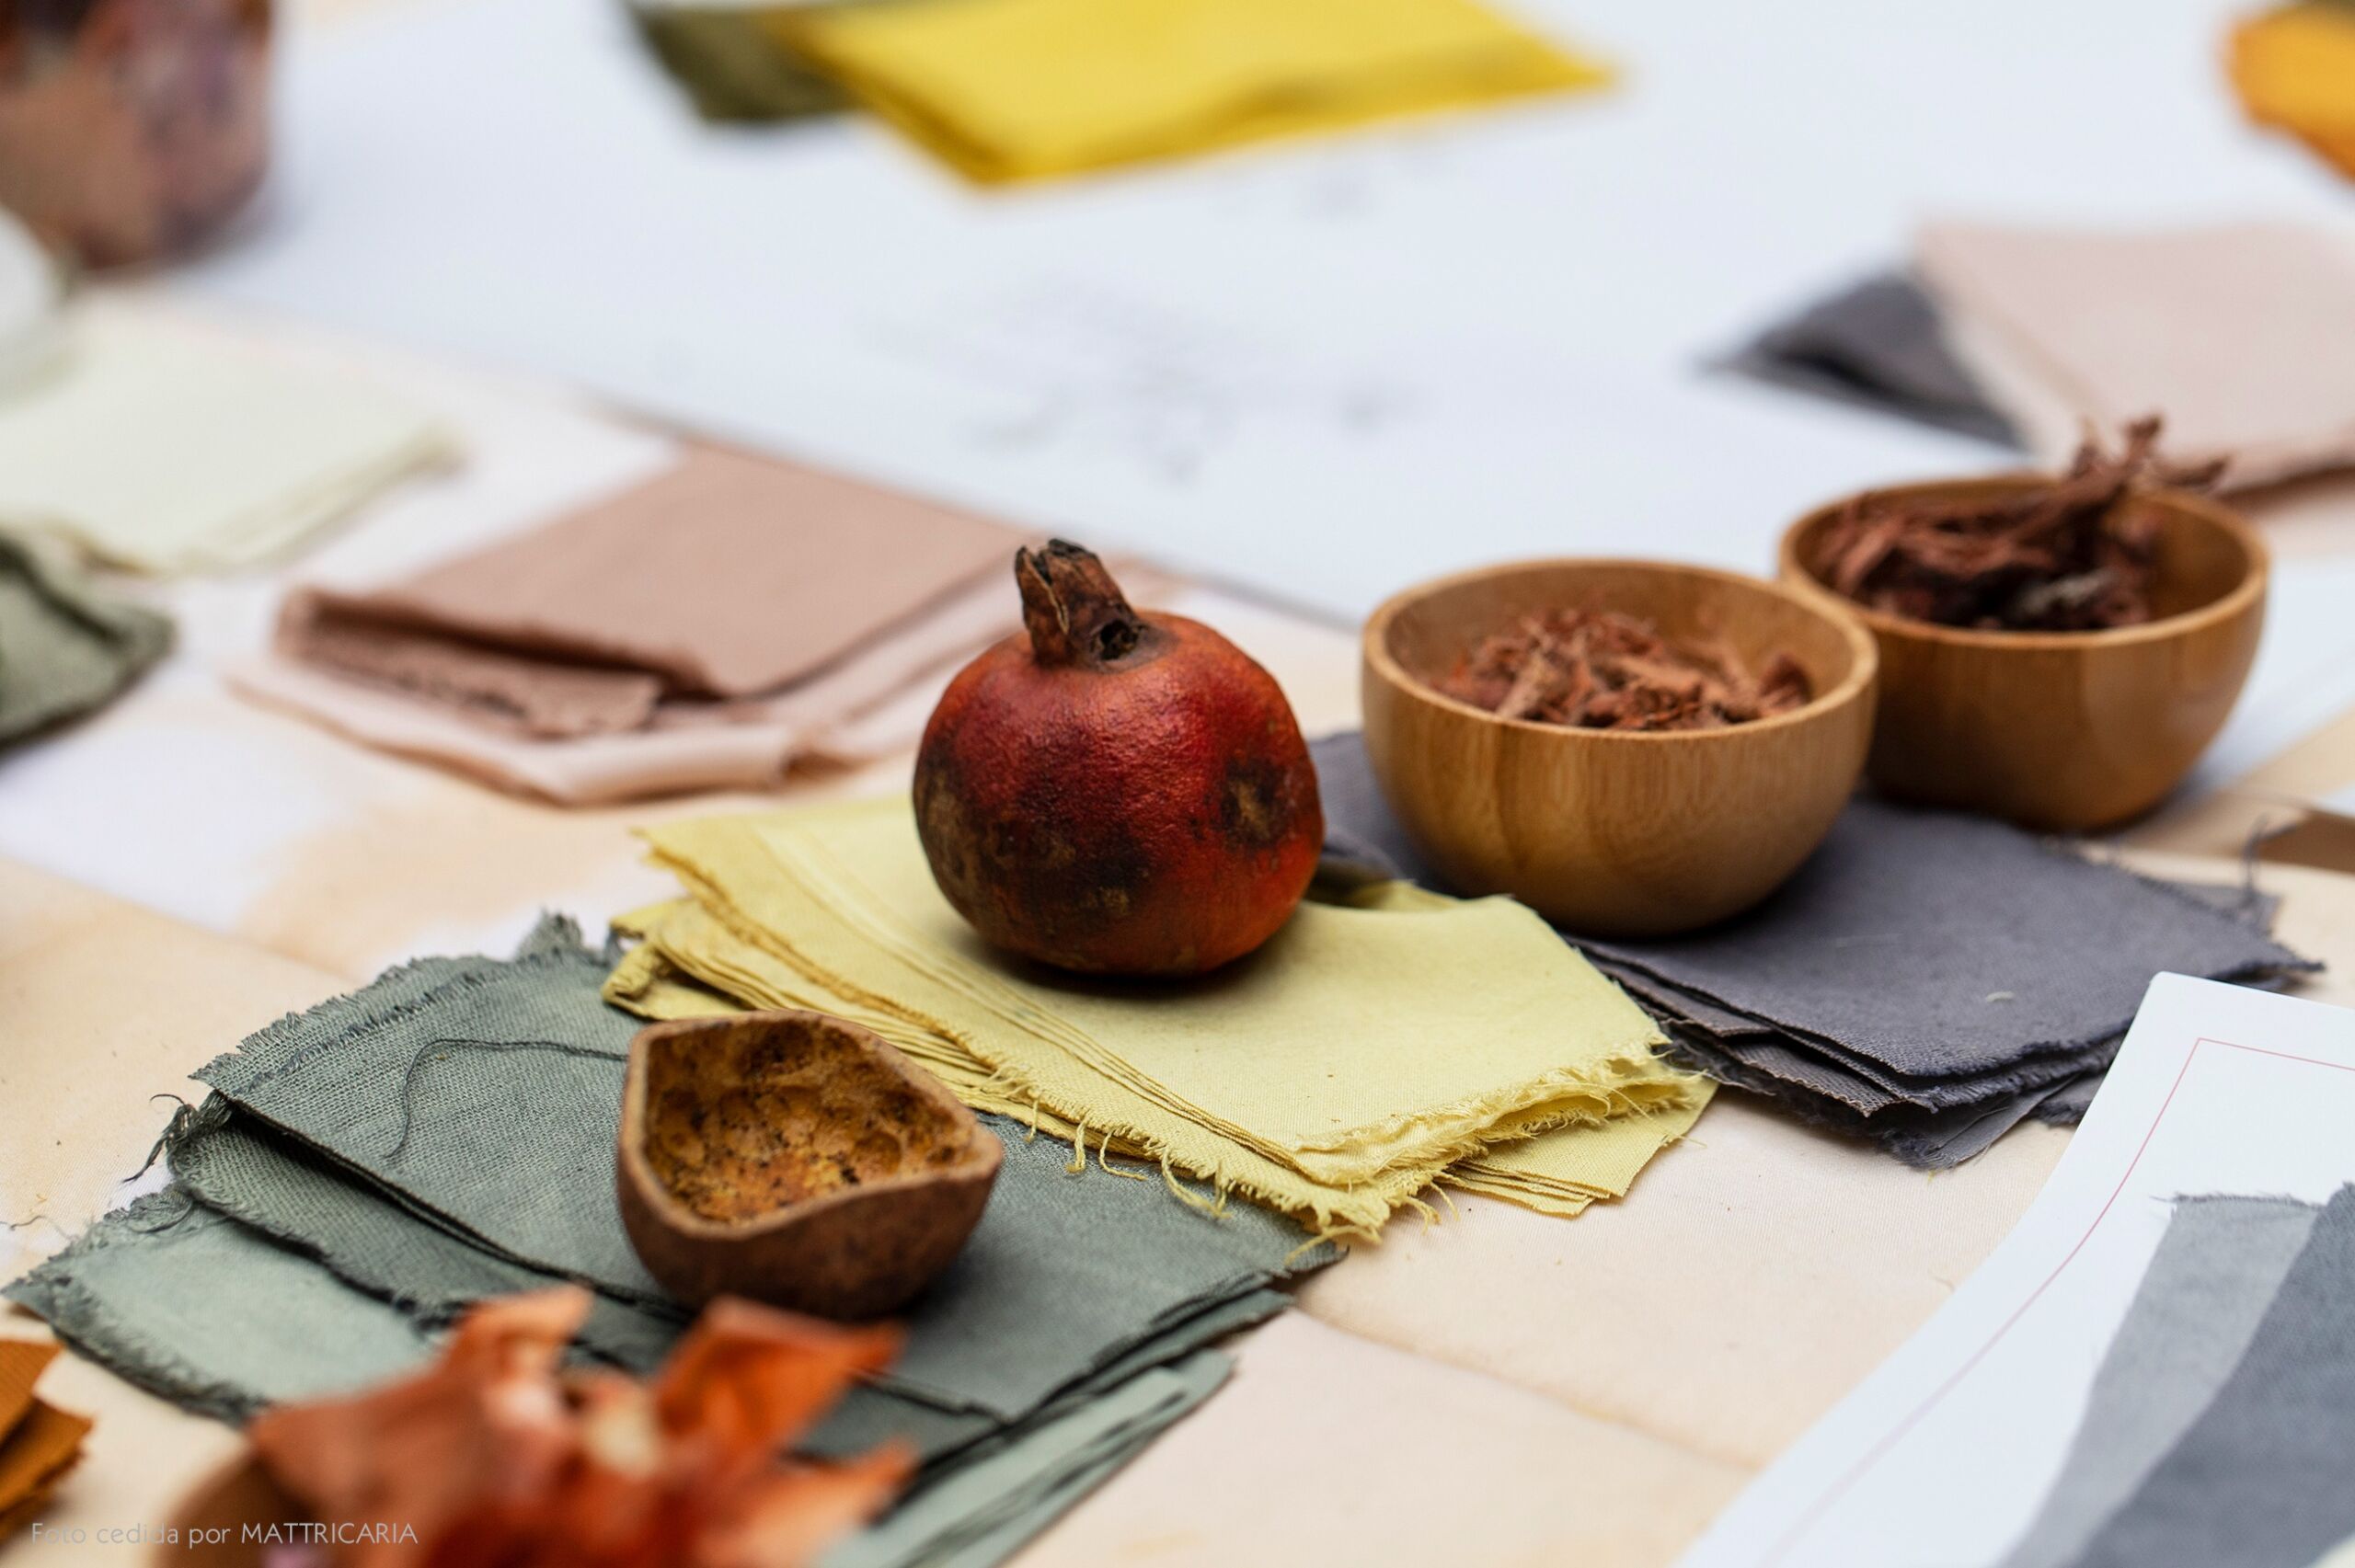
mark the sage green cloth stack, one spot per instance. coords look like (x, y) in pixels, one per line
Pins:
(368, 1169)
(66, 645)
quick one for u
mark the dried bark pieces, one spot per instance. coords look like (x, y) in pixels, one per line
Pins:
(1600, 669)
(2076, 554)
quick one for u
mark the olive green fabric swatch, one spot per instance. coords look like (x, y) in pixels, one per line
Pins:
(66, 645)
(209, 1312)
(484, 1096)
(731, 64)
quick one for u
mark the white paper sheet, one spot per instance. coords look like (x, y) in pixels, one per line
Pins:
(1940, 1459)
(1325, 368)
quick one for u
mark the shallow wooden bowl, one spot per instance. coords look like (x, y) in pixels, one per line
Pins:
(1605, 833)
(798, 1160)
(2063, 731)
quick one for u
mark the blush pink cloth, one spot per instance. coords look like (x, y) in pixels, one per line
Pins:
(2237, 334)
(700, 631)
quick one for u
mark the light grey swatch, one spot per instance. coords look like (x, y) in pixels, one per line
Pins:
(2208, 1283)
(2260, 1479)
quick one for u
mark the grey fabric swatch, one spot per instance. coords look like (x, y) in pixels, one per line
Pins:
(2259, 1479)
(66, 645)
(2037, 952)
(2215, 1274)
(1877, 344)
(1926, 980)
(443, 1080)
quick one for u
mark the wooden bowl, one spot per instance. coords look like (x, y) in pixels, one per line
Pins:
(1605, 833)
(2061, 731)
(798, 1160)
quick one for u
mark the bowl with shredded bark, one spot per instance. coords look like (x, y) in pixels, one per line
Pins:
(2055, 651)
(795, 1159)
(1630, 748)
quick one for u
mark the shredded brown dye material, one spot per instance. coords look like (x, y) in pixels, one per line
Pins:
(1600, 669)
(2076, 554)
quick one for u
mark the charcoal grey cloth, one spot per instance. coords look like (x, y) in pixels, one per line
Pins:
(1877, 344)
(485, 1096)
(1927, 979)
(2215, 1273)
(2260, 1479)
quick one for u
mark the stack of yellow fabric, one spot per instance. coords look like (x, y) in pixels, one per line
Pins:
(1371, 1047)
(1020, 89)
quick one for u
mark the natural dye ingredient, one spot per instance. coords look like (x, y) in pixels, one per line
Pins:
(1113, 792)
(2074, 553)
(1602, 669)
(496, 1455)
(795, 1159)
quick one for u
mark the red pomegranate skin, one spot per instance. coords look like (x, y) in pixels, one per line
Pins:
(1114, 793)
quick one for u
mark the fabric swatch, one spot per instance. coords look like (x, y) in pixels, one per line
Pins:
(2228, 331)
(729, 575)
(1875, 344)
(1021, 89)
(732, 65)
(690, 965)
(67, 646)
(2294, 68)
(443, 1078)
(168, 448)
(1822, 997)
(702, 630)
(843, 897)
(168, 1294)
(2258, 1479)
(2215, 1273)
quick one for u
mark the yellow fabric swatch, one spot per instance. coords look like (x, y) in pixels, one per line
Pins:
(689, 966)
(1020, 89)
(1333, 1074)
(2294, 69)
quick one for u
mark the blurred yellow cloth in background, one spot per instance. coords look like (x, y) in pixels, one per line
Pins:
(1333, 1075)
(2294, 69)
(1021, 89)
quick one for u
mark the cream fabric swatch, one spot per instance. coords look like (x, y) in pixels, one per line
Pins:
(1021, 89)
(2236, 333)
(1332, 1075)
(168, 448)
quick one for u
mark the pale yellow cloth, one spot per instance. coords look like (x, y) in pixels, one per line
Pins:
(1334, 1074)
(1017, 89)
(168, 447)
(690, 966)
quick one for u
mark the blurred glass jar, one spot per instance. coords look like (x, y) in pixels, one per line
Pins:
(132, 129)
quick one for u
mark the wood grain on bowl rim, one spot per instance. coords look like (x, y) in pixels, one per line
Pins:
(1614, 832)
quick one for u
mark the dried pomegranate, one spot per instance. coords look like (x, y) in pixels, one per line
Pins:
(1116, 792)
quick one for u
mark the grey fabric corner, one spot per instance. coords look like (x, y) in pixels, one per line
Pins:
(2215, 1274)
(2259, 1479)
(1875, 344)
